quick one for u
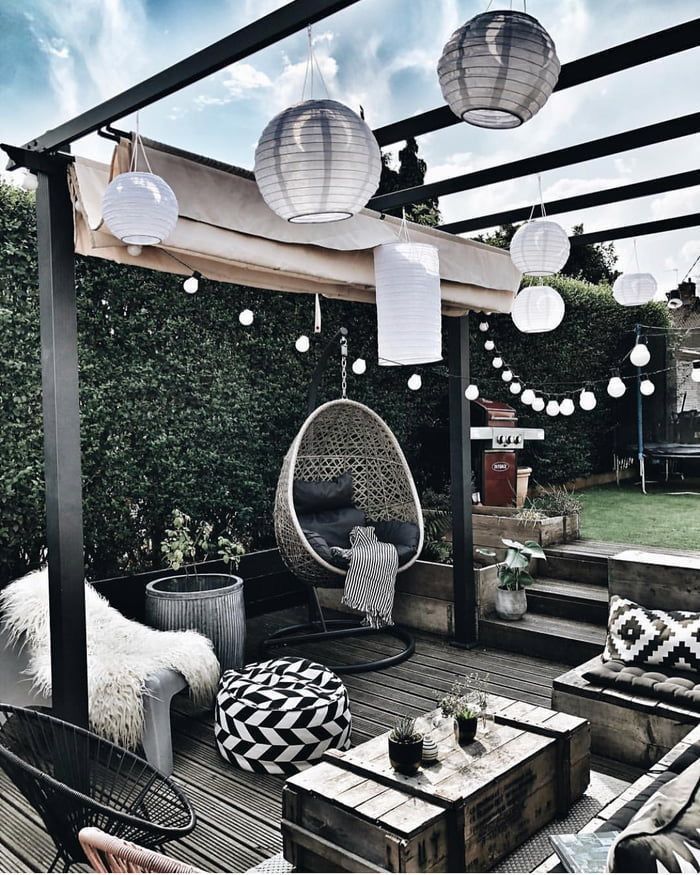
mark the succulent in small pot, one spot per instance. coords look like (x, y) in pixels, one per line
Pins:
(466, 724)
(405, 746)
(514, 575)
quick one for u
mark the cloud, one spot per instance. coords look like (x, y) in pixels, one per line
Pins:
(242, 78)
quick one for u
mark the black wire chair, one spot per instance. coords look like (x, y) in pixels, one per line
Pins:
(74, 778)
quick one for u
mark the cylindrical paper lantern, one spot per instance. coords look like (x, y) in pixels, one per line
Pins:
(317, 161)
(409, 329)
(139, 208)
(537, 309)
(498, 69)
(634, 289)
(540, 248)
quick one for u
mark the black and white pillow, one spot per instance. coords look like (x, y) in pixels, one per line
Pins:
(640, 636)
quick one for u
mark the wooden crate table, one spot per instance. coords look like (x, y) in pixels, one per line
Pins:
(354, 813)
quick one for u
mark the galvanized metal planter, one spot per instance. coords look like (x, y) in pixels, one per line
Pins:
(209, 603)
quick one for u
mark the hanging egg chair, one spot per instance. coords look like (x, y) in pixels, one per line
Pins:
(344, 468)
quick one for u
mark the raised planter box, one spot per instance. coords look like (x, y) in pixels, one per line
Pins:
(492, 524)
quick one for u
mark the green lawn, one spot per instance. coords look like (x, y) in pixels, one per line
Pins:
(665, 517)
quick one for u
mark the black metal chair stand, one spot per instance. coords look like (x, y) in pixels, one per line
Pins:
(319, 629)
(74, 778)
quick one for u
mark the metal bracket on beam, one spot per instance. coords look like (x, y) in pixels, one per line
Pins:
(36, 162)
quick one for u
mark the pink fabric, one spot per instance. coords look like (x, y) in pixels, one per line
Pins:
(105, 853)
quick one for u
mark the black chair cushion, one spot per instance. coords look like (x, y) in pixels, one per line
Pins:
(390, 532)
(404, 536)
(676, 687)
(316, 495)
(664, 834)
(334, 526)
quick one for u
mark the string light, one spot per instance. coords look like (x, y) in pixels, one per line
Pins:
(538, 404)
(587, 400)
(515, 387)
(552, 407)
(245, 317)
(191, 284)
(489, 345)
(497, 362)
(640, 355)
(471, 393)
(483, 326)
(528, 396)
(507, 375)
(616, 388)
(414, 382)
(302, 343)
(567, 407)
(359, 366)
(134, 249)
(646, 387)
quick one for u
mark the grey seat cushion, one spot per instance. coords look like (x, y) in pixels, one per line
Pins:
(677, 687)
(311, 496)
(322, 535)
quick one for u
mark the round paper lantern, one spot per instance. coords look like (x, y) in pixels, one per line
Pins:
(537, 309)
(139, 208)
(409, 324)
(587, 400)
(498, 69)
(540, 248)
(317, 161)
(634, 289)
(640, 355)
(538, 404)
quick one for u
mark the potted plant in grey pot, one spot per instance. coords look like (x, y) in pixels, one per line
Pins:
(210, 603)
(405, 746)
(513, 576)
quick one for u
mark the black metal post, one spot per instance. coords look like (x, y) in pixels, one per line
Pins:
(464, 584)
(64, 514)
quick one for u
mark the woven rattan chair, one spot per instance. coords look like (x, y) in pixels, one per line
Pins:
(74, 778)
(106, 853)
(339, 436)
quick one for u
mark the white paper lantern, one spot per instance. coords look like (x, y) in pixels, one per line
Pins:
(414, 382)
(471, 393)
(540, 248)
(528, 396)
(139, 208)
(245, 317)
(317, 161)
(567, 407)
(587, 400)
(409, 324)
(498, 69)
(640, 355)
(538, 404)
(537, 309)
(634, 289)
(552, 408)
(646, 387)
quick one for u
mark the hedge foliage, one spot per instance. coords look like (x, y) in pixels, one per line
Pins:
(183, 407)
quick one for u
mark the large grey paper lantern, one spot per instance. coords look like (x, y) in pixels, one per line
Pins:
(498, 69)
(634, 289)
(537, 309)
(409, 325)
(540, 248)
(317, 161)
(140, 208)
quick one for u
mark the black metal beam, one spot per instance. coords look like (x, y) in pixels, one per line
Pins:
(579, 202)
(464, 585)
(244, 42)
(641, 229)
(638, 51)
(64, 512)
(611, 145)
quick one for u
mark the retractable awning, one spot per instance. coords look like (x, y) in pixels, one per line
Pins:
(227, 233)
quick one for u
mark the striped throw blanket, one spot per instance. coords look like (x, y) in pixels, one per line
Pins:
(371, 577)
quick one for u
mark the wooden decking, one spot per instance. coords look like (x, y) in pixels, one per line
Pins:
(238, 812)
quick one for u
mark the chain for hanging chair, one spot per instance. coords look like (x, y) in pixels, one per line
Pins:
(343, 367)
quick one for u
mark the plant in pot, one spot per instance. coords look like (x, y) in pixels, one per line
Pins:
(465, 703)
(405, 746)
(513, 576)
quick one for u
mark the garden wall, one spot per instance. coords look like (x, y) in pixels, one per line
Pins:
(183, 407)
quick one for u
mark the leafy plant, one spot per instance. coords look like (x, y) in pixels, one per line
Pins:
(182, 549)
(513, 572)
(530, 515)
(556, 501)
(437, 523)
(405, 732)
(467, 697)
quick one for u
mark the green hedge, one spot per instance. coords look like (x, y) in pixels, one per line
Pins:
(182, 406)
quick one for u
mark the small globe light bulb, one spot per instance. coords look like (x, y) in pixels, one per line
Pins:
(552, 408)
(30, 182)
(471, 393)
(489, 345)
(302, 343)
(695, 373)
(245, 317)
(528, 396)
(191, 285)
(414, 382)
(359, 366)
(483, 326)
(616, 388)
(507, 375)
(646, 387)
(538, 404)
(567, 407)
(640, 355)
(515, 387)
(587, 400)
(497, 362)
(135, 250)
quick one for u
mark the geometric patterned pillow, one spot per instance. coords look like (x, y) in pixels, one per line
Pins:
(640, 636)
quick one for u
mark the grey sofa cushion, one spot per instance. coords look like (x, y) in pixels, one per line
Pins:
(663, 836)
(676, 687)
(403, 535)
(315, 495)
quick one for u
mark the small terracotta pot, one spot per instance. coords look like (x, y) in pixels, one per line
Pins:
(406, 758)
(511, 604)
(465, 729)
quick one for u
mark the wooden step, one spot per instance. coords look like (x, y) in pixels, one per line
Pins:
(575, 562)
(568, 641)
(569, 599)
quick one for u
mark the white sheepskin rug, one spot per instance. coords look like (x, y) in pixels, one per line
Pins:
(121, 653)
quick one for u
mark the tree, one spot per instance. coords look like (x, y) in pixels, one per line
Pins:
(411, 172)
(592, 262)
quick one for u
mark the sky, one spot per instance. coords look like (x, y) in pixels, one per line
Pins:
(61, 58)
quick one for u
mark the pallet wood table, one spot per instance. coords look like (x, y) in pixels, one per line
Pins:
(354, 813)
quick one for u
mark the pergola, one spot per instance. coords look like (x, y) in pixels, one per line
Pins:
(48, 157)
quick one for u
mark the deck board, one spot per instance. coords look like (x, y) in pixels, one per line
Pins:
(238, 812)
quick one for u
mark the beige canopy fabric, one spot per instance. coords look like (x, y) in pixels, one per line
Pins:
(227, 233)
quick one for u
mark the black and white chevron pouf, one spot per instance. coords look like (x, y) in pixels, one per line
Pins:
(281, 715)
